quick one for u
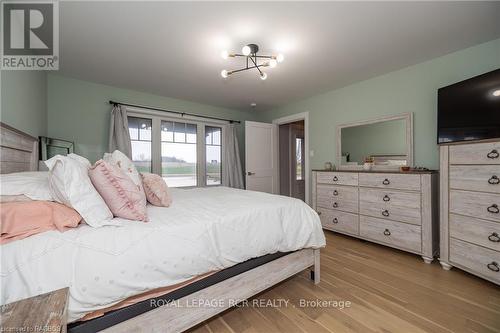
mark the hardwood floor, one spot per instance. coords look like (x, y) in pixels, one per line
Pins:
(389, 291)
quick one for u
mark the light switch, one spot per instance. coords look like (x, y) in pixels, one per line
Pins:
(311, 153)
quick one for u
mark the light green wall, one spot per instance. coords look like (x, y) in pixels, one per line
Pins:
(79, 111)
(24, 101)
(412, 89)
(384, 138)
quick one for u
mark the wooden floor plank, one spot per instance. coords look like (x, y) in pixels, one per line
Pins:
(389, 291)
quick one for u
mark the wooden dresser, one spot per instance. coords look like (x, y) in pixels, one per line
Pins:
(391, 208)
(470, 208)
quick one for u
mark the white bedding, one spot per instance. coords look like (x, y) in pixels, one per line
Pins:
(205, 229)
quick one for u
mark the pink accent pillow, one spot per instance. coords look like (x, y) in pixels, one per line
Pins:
(156, 190)
(19, 220)
(122, 196)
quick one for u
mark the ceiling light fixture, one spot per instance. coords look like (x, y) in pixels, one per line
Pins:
(249, 52)
(496, 93)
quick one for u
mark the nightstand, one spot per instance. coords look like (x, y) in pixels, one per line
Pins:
(41, 313)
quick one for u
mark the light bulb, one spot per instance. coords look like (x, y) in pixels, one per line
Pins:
(263, 76)
(273, 63)
(280, 57)
(496, 93)
(224, 73)
(246, 50)
(224, 54)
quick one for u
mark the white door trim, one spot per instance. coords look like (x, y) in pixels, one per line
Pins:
(290, 119)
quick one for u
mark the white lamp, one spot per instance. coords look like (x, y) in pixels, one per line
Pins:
(246, 50)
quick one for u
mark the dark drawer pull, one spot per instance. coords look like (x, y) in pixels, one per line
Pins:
(494, 180)
(386, 198)
(386, 181)
(494, 237)
(335, 205)
(493, 209)
(335, 192)
(387, 232)
(493, 154)
(335, 178)
(493, 266)
(385, 213)
(335, 220)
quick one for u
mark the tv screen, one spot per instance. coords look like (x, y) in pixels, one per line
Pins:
(470, 110)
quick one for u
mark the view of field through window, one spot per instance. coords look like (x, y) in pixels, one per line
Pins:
(179, 151)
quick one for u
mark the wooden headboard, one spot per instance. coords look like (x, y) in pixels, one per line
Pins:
(18, 150)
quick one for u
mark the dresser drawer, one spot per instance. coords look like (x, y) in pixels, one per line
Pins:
(483, 261)
(390, 204)
(485, 178)
(472, 230)
(476, 153)
(338, 178)
(339, 221)
(390, 180)
(343, 198)
(397, 234)
(475, 204)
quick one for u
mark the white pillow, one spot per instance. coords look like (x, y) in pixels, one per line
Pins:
(34, 185)
(70, 184)
(125, 164)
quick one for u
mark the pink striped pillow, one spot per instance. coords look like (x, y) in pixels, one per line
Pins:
(122, 196)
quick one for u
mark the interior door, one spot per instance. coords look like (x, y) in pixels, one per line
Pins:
(261, 157)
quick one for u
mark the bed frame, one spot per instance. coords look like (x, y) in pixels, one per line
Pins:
(19, 152)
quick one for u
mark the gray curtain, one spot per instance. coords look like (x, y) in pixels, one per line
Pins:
(119, 136)
(233, 176)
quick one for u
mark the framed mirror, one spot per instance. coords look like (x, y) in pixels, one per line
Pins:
(387, 142)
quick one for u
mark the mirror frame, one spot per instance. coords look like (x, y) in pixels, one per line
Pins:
(408, 117)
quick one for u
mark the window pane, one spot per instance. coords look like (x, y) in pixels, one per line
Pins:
(179, 132)
(298, 159)
(133, 128)
(140, 134)
(190, 133)
(167, 131)
(145, 130)
(213, 155)
(178, 160)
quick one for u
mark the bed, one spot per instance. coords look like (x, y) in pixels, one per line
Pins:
(218, 245)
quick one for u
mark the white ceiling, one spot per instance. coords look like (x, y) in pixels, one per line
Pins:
(173, 48)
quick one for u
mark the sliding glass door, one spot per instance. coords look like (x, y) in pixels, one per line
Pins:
(178, 153)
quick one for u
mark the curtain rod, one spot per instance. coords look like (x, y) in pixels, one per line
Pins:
(176, 112)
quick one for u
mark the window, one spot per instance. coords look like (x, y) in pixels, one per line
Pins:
(213, 144)
(298, 158)
(184, 152)
(178, 153)
(140, 138)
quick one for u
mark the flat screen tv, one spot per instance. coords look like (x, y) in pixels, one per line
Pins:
(470, 110)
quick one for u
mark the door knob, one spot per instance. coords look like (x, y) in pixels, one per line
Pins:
(249, 173)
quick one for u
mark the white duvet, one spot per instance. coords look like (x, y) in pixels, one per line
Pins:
(205, 229)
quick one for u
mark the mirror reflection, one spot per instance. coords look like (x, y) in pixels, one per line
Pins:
(383, 143)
